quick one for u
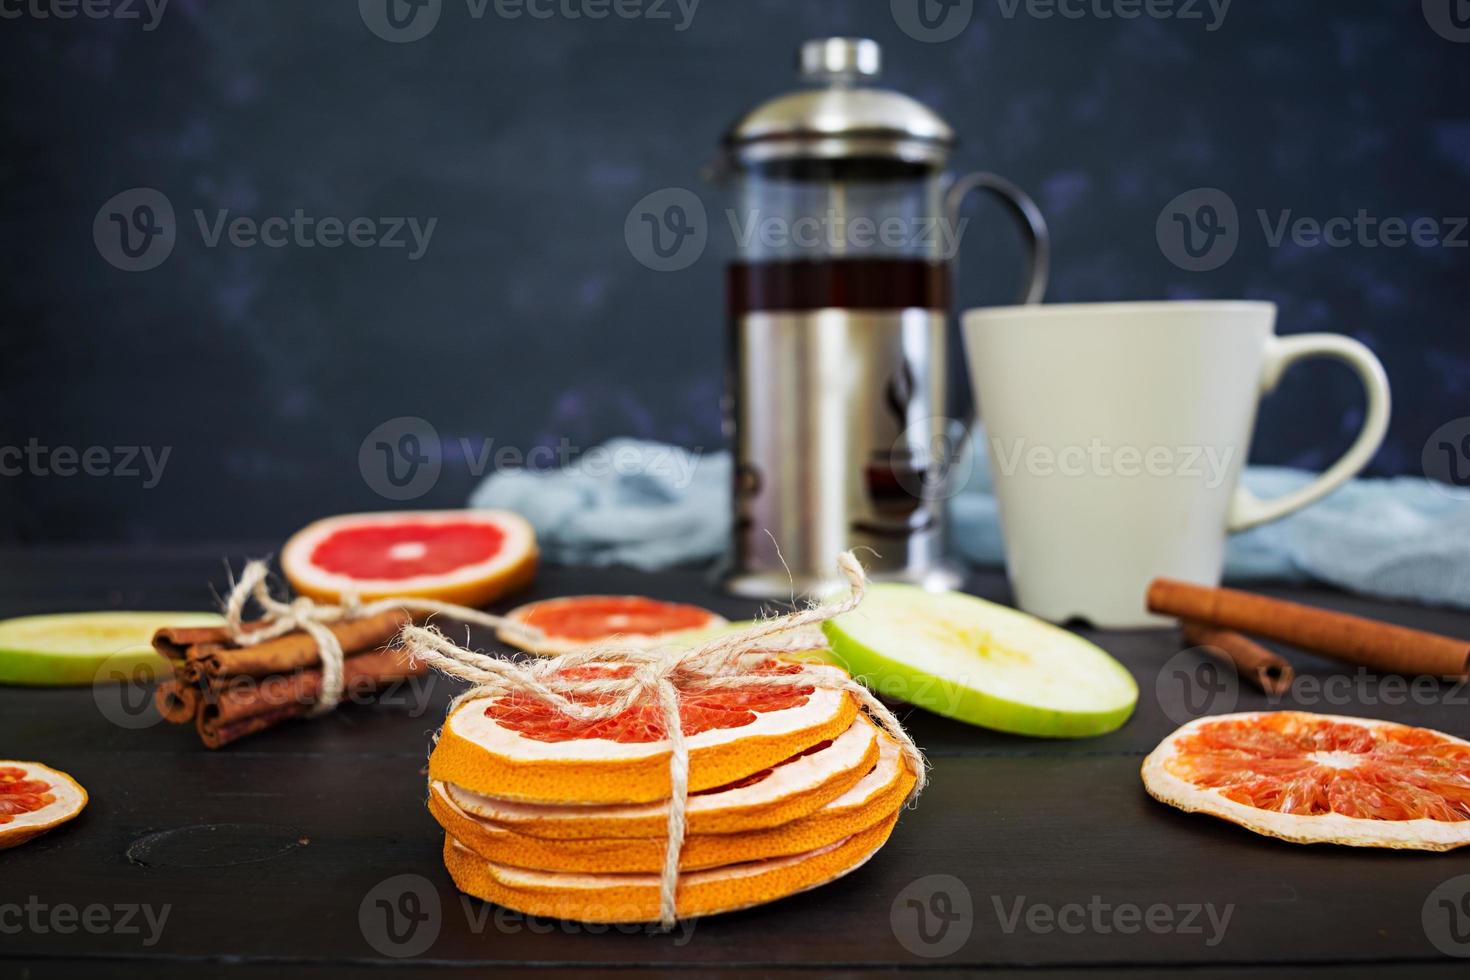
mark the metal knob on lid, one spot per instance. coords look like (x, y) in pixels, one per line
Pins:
(840, 59)
(841, 114)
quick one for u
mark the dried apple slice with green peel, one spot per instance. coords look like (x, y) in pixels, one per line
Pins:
(71, 648)
(982, 663)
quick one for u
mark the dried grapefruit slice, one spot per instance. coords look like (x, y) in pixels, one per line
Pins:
(33, 799)
(583, 620)
(469, 557)
(635, 897)
(878, 794)
(1312, 778)
(519, 748)
(796, 787)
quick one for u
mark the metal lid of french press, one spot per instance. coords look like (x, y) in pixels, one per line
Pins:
(842, 115)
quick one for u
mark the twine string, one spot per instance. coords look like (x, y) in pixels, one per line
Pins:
(661, 676)
(279, 617)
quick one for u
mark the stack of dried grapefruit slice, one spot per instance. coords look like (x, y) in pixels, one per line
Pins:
(789, 787)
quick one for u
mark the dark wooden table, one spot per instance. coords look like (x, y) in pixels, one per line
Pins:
(1025, 857)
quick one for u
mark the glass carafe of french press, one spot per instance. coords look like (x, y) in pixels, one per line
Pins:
(846, 226)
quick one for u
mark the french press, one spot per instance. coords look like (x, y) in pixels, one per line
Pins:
(846, 225)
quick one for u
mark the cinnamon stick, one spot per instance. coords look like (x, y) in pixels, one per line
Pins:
(215, 735)
(1262, 668)
(173, 642)
(178, 701)
(209, 652)
(228, 691)
(245, 707)
(1351, 639)
(248, 697)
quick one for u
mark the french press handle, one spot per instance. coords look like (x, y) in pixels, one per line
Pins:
(1018, 204)
(1034, 237)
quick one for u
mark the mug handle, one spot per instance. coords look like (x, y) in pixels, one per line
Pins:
(1246, 509)
(1023, 211)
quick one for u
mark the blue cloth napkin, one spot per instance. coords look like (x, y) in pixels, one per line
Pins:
(626, 502)
(650, 506)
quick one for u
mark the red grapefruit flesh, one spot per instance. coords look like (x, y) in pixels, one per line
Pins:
(1312, 778)
(468, 557)
(698, 713)
(33, 799)
(514, 747)
(577, 621)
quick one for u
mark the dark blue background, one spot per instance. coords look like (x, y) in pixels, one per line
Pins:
(528, 320)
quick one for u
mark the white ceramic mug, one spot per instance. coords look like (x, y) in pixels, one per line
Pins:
(1117, 433)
